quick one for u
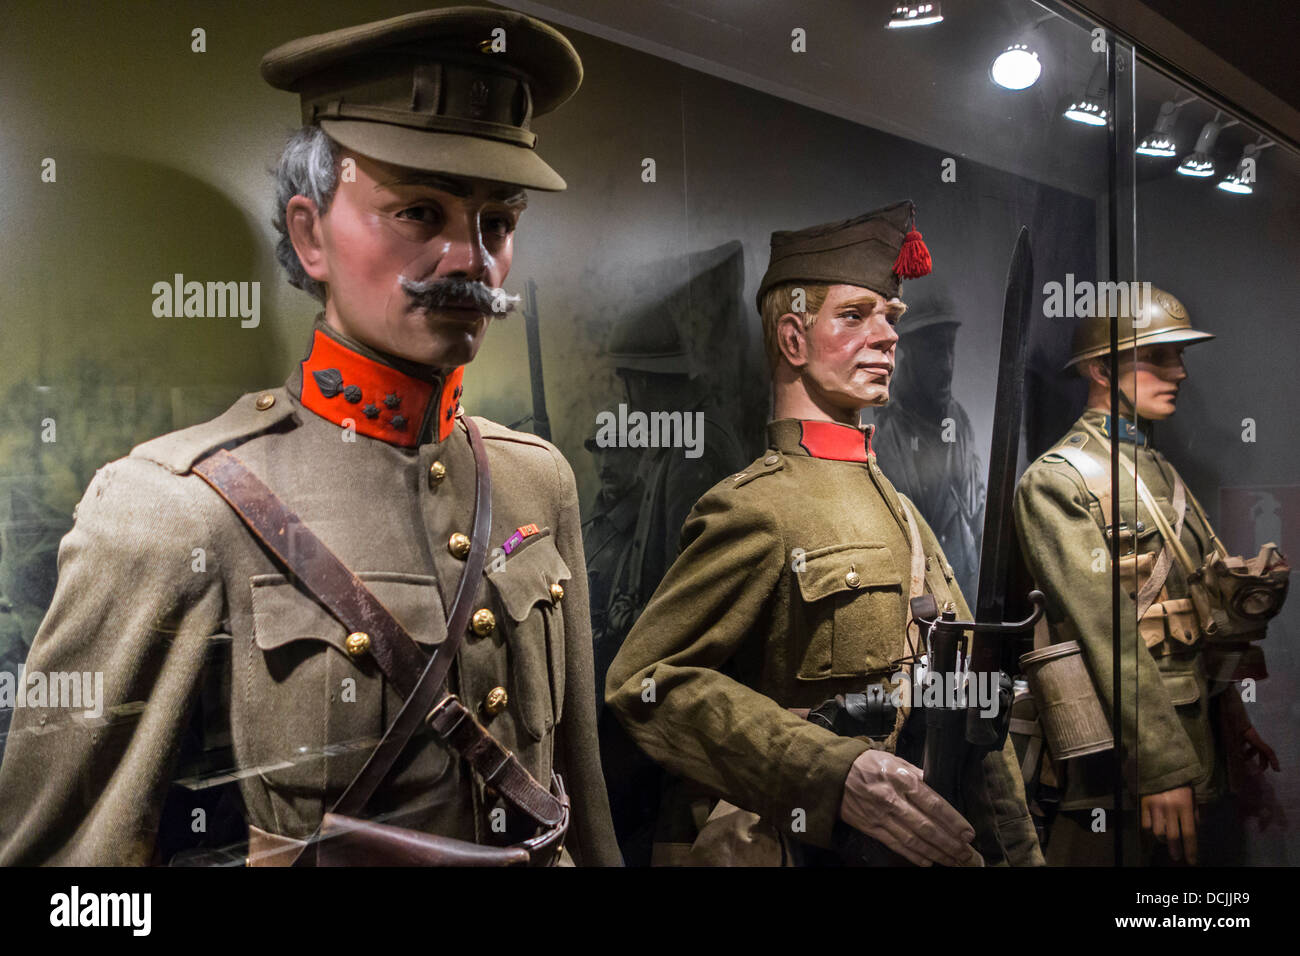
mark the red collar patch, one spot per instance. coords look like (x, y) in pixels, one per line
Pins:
(835, 441)
(378, 400)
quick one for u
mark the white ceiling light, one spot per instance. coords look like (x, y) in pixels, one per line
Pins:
(915, 15)
(1016, 68)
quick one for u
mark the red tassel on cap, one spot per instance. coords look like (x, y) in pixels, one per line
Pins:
(914, 258)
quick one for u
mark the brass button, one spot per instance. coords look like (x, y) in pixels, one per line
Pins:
(358, 643)
(484, 622)
(265, 401)
(458, 545)
(557, 593)
(852, 579)
(437, 472)
(495, 701)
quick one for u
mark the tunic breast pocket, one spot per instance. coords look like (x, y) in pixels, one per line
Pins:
(529, 593)
(853, 611)
(312, 712)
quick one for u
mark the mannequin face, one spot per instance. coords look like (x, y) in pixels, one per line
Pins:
(390, 224)
(845, 359)
(1149, 380)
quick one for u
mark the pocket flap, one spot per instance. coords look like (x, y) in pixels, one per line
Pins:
(284, 612)
(528, 575)
(1182, 687)
(847, 567)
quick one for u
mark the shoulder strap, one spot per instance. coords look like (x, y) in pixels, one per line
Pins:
(395, 652)
(893, 500)
(1200, 513)
(1095, 478)
(915, 642)
(1160, 573)
(433, 675)
(307, 558)
(1172, 540)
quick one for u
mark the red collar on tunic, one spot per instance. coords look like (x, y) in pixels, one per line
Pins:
(835, 441)
(378, 400)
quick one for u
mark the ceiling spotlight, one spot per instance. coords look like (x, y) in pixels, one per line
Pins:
(1241, 179)
(1198, 162)
(1016, 68)
(914, 15)
(1160, 141)
(1089, 108)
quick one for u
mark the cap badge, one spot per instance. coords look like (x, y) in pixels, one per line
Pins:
(478, 99)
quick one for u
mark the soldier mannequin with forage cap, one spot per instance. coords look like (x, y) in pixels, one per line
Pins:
(430, 117)
(1177, 759)
(792, 586)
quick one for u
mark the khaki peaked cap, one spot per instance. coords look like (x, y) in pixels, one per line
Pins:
(430, 91)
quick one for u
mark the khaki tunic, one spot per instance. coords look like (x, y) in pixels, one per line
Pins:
(159, 571)
(1060, 524)
(735, 635)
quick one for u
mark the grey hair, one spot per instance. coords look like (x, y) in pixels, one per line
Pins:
(307, 167)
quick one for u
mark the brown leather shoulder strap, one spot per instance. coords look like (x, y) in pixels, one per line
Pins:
(305, 556)
(434, 675)
(1160, 573)
(396, 653)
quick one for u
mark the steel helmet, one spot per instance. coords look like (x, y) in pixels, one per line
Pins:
(1162, 319)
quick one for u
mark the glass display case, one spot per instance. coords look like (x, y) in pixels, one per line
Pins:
(1148, 488)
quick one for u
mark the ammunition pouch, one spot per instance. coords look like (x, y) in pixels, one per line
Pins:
(1169, 623)
(1233, 597)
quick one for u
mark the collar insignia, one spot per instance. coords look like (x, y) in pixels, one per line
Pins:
(374, 398)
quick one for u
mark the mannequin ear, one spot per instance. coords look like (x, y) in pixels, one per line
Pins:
(302, 219)
(1098, 371)
(792, 339)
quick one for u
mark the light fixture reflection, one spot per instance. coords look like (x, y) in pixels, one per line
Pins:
(1198, 163)
(1016, 68)
(1235, 184)
(1087, 112)
(1160, 141)
(1241, 179)
(1089, 108)
(915, 15)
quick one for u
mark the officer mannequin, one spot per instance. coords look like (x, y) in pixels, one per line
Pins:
(367, 443)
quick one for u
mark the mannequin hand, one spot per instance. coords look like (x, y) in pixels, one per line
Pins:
(1253, 745)
(885, 798)
(1171, 818)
